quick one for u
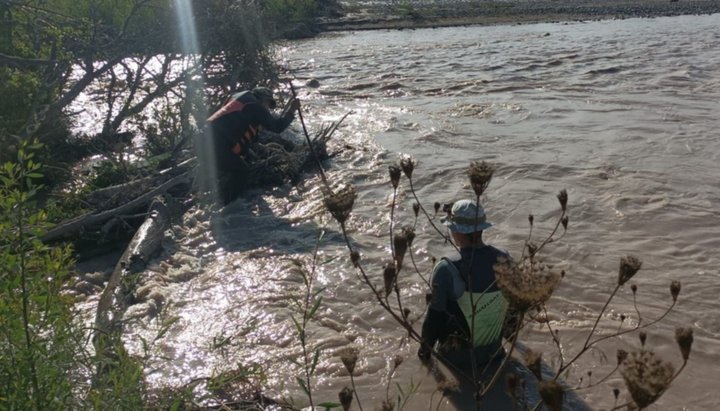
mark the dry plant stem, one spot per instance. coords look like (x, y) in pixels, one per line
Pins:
(588, 344)
(638, 327)
(392, 249)
(555, 339)
(417, 270)
(306, 319)
(507, 357)
(596, 383)
(378, 296)
(357, 398)
(550, 236)
(430, 220)
(637, 310)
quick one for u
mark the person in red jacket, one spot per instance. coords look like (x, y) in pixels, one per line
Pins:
(233, 130)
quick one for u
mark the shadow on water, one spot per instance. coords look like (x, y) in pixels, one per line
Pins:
(258, 221)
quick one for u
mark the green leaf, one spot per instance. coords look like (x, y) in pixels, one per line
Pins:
(303, 385)
(315, 360)
(298, 328)
(315, 307)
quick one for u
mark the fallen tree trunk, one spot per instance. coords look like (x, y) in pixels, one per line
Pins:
(144, 245)
(74, 226)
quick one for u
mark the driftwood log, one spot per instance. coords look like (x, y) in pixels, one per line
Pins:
(144, 245)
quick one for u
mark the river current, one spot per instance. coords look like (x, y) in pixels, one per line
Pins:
(623, 114)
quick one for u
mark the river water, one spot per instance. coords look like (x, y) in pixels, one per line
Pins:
(623, 114)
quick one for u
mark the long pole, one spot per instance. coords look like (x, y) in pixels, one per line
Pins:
(307, 138)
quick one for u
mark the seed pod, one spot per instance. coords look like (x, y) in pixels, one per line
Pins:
(349, 358)
(531, 218)
(346, 396)
(480, 175)
(563, 198)
(621, 356)
(629, 266)
(616, 393)
(355, 258)
(389, 276)
(552, 394)
(564, 222)
(437, 207)
(684, 338)
(643, 337)
(394, 175)
(675, 290)
(407, 164)
(416, 209)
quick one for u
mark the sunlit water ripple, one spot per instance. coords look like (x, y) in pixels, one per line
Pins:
(623, 114)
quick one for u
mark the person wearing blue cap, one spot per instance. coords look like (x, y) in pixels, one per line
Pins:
(234, 128)
(467, 310)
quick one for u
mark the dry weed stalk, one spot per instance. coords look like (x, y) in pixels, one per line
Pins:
(526, 283)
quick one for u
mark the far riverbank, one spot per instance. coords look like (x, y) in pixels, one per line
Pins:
(409, 15)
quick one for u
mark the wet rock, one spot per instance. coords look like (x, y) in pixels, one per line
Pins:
(86, 287)
(96, 278)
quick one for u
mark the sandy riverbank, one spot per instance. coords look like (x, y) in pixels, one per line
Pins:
(407, 15)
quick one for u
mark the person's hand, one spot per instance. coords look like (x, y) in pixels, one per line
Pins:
(424, 353)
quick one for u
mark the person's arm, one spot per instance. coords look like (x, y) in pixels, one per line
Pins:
(263, 117)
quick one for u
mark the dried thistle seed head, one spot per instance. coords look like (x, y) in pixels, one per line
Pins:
(349, 357)
(346, 396)
(389, 277)
(533, 361)
(563, 198)
(407, 164)
(409, 233)
(643, 337)
(633, 288)
(621, 356)
(394, 175)
(565, 220)
(531, 219)
(416, 209)
(397, 361)
(448, 387)
(340, 203)
(524, 284)
(437, 207)
(406, 312)
(480, 175)
(400, 245)
(387, 405)
(552, 394)
(532, 248)
(629, 266)
(675, 290)
(355, 258)
(684, 338)
(616, 393)
(622, 317)
(646, 377)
